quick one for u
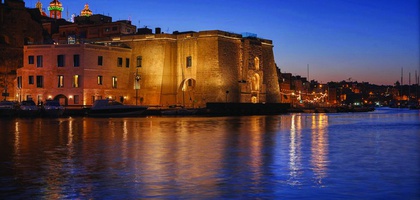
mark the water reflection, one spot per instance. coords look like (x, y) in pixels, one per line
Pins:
(295, 164)
(132, 158)
(319, 146)
(160, 156)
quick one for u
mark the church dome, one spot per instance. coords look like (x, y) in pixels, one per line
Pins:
(55, 5)
(86, 11)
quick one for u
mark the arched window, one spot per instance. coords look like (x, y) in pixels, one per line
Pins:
(188, 84)
(254, 99)
(255, 82)
(257, 63)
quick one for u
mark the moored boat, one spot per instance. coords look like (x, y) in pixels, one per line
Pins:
(28, 109)
(182, 112)
(111, 108)
(8, 109)
(52, 108)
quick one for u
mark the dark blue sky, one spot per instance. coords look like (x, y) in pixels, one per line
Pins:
(365, 40)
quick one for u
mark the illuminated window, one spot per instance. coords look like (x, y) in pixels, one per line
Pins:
(114, 82)
(31, 60)
(60, 60)
(139, 60)
(76, 60)
(100, 78)
(119, 62)
(189, 61)
(100, 60)
(60, 81)
(257, 63)
(127, 62)
(39, 81)
(39, 61)
(76, 81)
(31, 80)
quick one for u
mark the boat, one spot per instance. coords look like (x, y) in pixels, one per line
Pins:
(176, 112)
(52, 108)
(28, 108)
(112, 108)
(8, 109)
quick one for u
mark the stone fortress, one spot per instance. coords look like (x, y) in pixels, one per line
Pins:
(96, 58)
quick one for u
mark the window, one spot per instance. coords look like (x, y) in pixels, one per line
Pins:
(114, 82)
(100, 60)
(31, 80)
(60, 60)
(31, 60)
(76, 60)
(39, 61)
(119, 62)
(76, 81)
(39, 81)
(127, 62)
(114, 28)
(189, 82)
(100, 80)
(189, 61)
(257, 63)
(76, 99)
(139, 60)
(19, 81)
(60, 81)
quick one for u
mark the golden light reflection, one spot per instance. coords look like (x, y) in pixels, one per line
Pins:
(295, 164)
(319, 146)
(17, 138)
(256, 148)
(124, 145)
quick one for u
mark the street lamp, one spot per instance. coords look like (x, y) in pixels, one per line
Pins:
(293, 96)
(137, 84)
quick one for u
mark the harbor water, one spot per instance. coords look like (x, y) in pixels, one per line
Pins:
(370, 155)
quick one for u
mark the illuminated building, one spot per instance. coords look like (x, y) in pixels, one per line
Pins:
(86, 11)
(189, 69)
(55, 8)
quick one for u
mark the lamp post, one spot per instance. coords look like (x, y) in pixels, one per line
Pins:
(137, 84)
(293, 96)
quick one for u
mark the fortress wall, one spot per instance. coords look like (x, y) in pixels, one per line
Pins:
(270, 72)
(230, 64)
(157, 70)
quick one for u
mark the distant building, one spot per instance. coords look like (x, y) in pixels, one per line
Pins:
(91, 28)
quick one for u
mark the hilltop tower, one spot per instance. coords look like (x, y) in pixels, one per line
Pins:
(55, 9)
(86, 11)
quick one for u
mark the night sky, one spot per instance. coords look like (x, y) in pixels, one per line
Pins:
(365, 40)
